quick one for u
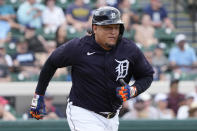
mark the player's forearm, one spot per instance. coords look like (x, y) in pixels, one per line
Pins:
(46, 74)
(143, 83)
(70, 20)
(6, 18)
(194, 65)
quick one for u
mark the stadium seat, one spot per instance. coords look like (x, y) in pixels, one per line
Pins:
(73, 33)
(135, 6)
(91, 3)
(40, 1)
(16, 34)
(45, 34)
(19, 78)
(129, 34)
(188, 76)
(164, 35)
(60, 78)
(64, 3)
(10, 48)
(14, 3)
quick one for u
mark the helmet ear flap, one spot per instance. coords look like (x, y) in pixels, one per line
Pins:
(121, 30)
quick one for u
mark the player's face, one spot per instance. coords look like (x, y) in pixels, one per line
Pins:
(106, 35)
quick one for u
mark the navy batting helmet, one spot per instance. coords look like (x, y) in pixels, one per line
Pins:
(106, 16)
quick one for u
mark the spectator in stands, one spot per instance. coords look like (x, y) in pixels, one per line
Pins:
(159, 60)
(100, 3)
(193, 110)
(183, 111)
(157, 71)
(7, 20)
(175, 99)
(182, 57)
(52, 16)
(195, 90)
(126, 107)
(25, 60)
(7, 57)
(145, 32)
(29, 13)
(142, 109)
(132, 114)
(36, 43)
(61, 38)
(42, 57)
(128, 15)
(158, 14)
(60, 35)
(51, 110)
(78, 15)
(192, 8)
(162, 110)
(113, 3)
(5, 64)
(4, 114)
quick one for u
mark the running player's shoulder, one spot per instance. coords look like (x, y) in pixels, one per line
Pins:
(73, 43)
(87, 39)
(129, 44)
(80, 41)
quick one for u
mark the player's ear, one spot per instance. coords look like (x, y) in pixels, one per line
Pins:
(94, 28)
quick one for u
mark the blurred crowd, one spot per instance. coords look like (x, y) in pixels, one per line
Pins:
(8, 113)
(159, 106)
(173, 105)
(31, 31)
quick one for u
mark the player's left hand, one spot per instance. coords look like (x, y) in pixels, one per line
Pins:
(37, 110)
(126, 92)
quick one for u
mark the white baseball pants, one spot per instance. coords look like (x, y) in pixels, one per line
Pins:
(80, 119)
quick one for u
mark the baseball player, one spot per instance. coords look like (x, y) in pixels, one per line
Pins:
(102, 65)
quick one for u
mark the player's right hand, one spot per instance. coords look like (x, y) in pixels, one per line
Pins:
(126, 92)
(37, 110)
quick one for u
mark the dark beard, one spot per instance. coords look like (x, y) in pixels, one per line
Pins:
(109, 46)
